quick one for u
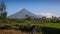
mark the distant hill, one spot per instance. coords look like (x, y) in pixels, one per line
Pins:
(22, 14)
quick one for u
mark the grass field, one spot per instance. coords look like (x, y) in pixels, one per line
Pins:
(53, 25)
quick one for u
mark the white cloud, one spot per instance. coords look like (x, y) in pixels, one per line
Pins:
(48, 15)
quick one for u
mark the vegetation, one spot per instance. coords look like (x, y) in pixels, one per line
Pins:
(3, 13)
(47, 24)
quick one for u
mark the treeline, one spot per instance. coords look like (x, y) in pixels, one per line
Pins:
(37, 20)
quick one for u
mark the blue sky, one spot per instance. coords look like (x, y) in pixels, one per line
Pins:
(44, 7)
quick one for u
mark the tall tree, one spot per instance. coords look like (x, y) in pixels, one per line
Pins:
(3, 10)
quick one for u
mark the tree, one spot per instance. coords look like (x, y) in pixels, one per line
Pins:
(3, 13)
(44, 17)
(28, 18)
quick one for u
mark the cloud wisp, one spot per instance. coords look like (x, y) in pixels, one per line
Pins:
(48, 15)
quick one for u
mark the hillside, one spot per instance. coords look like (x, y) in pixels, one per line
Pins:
(24, 13)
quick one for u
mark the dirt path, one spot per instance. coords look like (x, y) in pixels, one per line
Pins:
(12, 32)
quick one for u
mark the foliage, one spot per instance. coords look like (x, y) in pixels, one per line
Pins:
(3, 13)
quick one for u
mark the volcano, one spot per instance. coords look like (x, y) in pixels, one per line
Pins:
(22, 14)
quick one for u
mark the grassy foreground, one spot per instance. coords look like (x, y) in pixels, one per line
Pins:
(53, 25)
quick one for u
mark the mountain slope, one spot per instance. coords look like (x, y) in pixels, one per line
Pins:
(23, 14)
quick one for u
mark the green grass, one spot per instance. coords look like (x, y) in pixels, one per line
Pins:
(12, 23)
(53, 25)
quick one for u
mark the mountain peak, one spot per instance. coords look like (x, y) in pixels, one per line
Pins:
(22, 14)
(24, 9)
